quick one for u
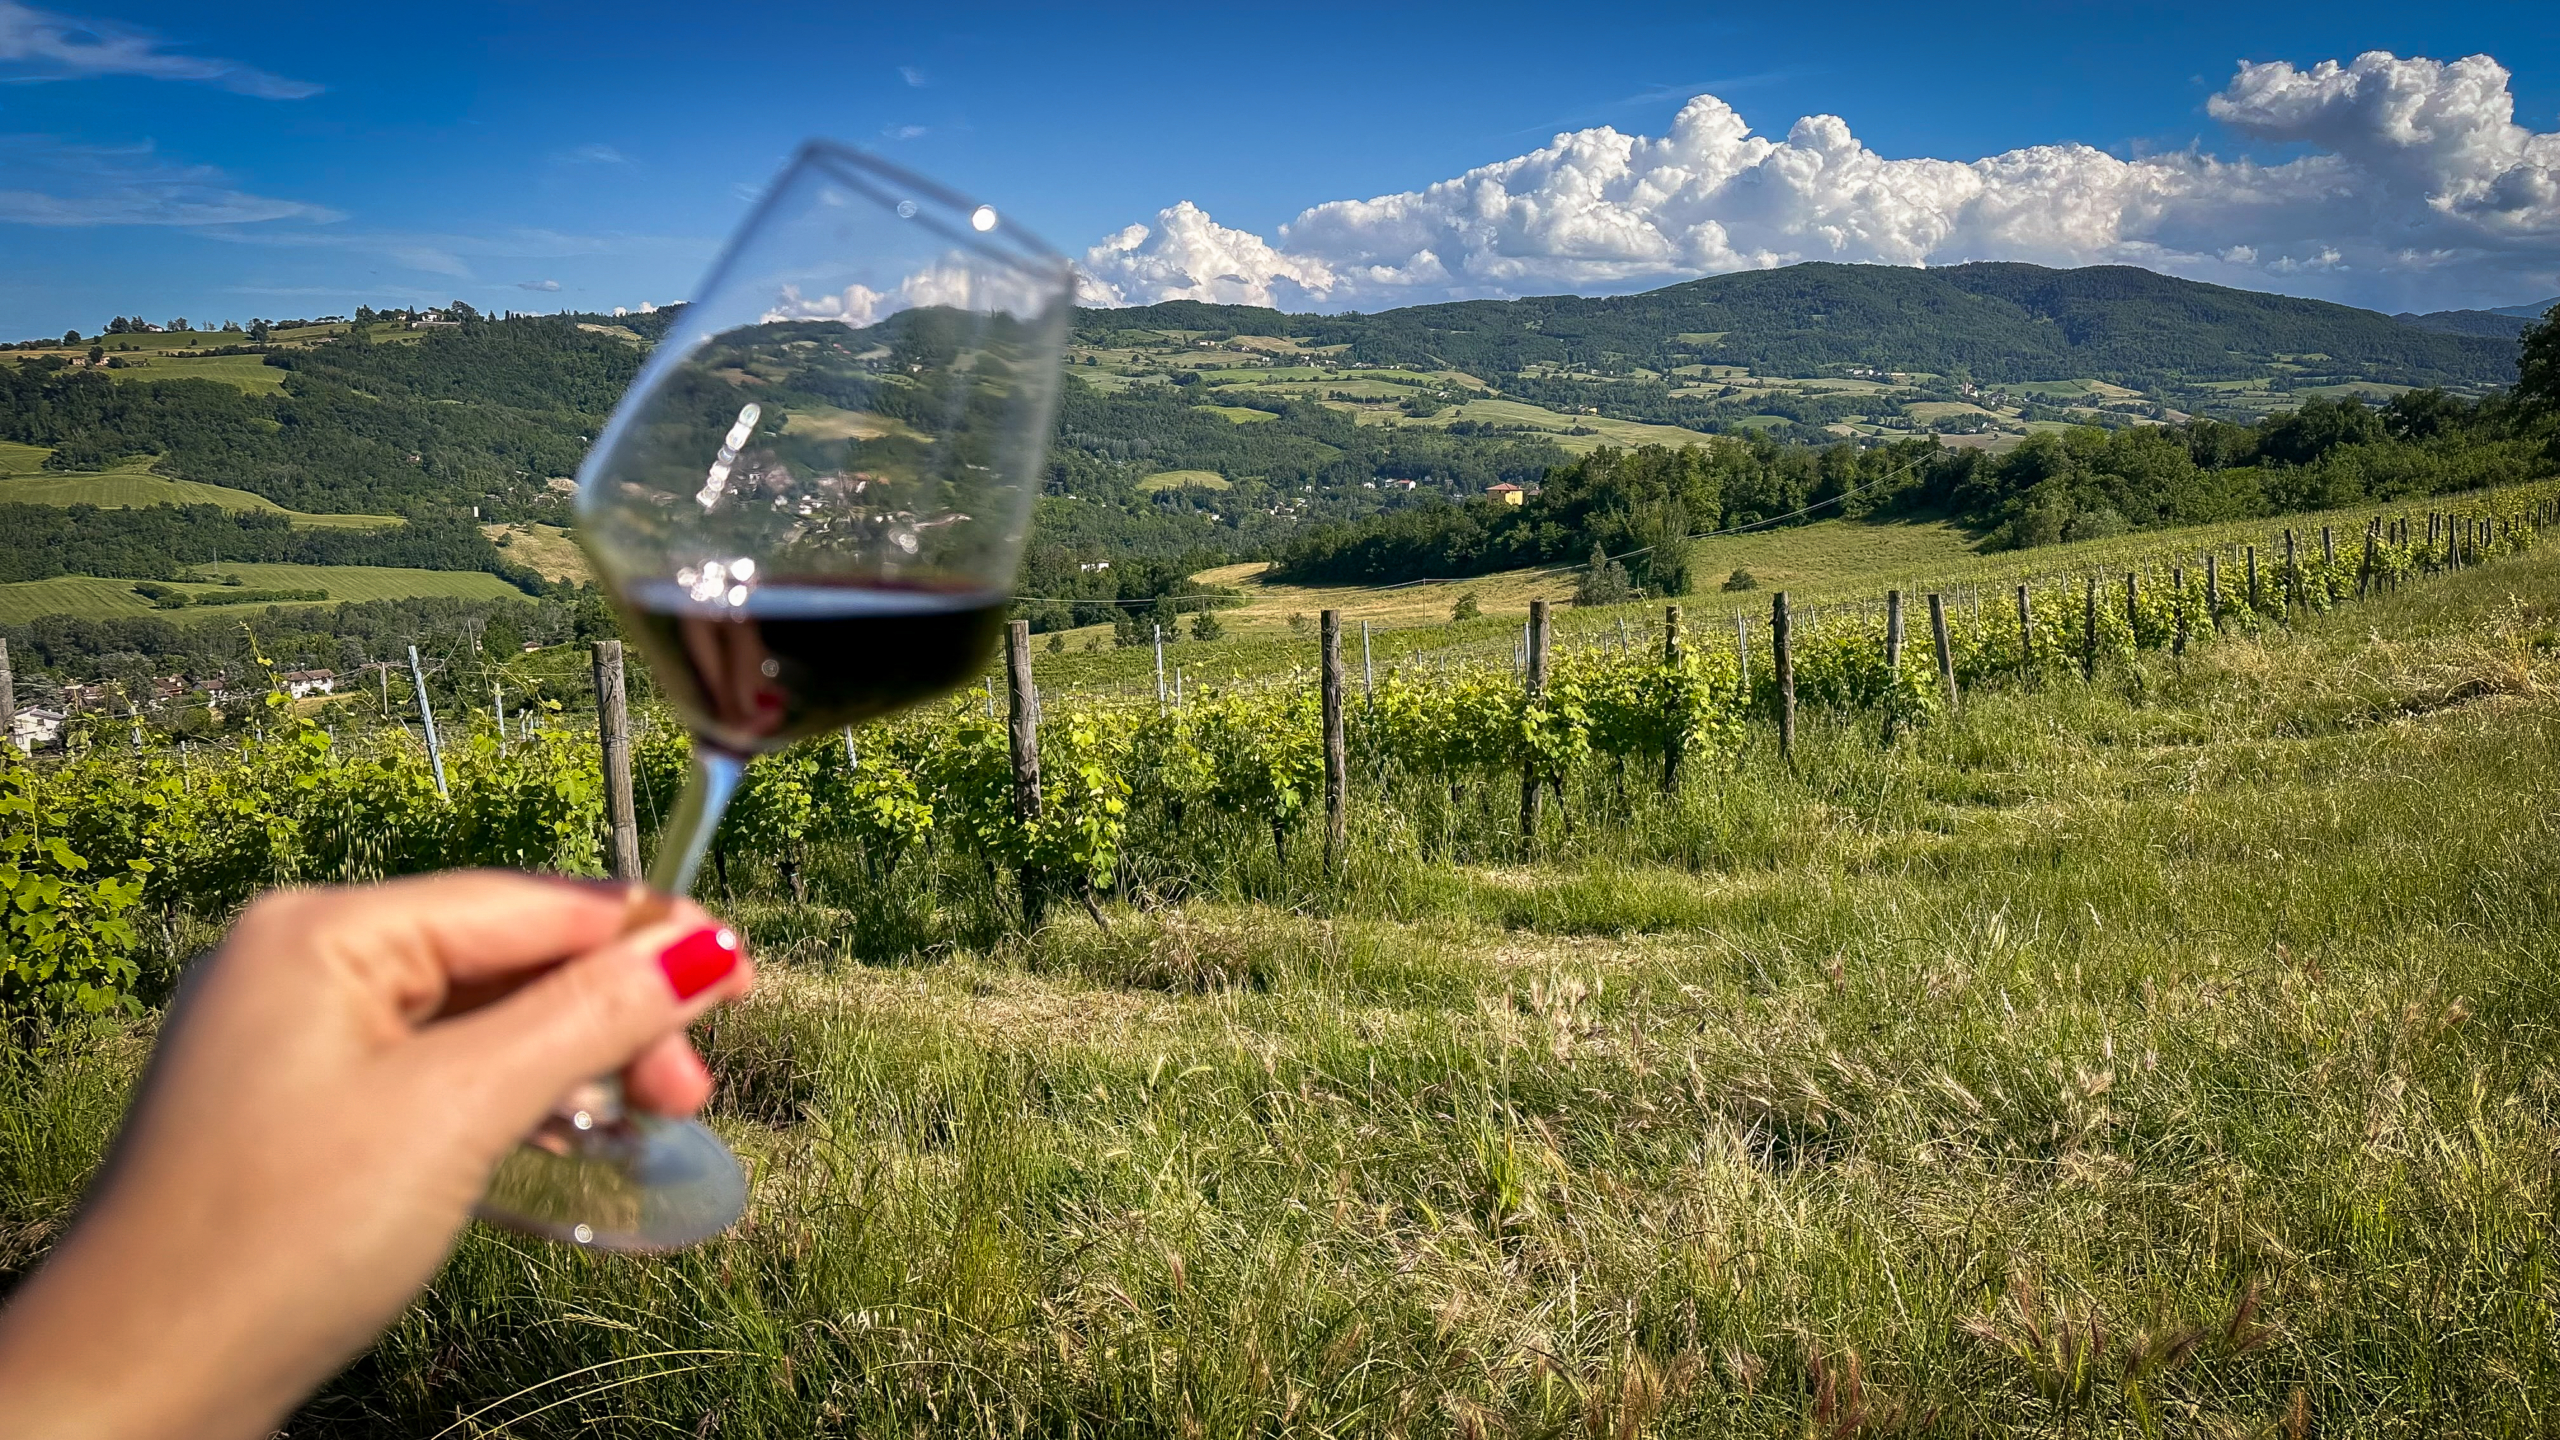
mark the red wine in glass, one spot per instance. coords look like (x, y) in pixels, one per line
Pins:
(794, 658)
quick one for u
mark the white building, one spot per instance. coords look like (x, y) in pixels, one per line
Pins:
(301, 683)
(31, 728)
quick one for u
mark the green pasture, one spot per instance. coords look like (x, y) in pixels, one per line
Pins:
(1183, 480)
(17, 458)
(1241, 414)
(132, 487)
(93, 598)
(249, 373)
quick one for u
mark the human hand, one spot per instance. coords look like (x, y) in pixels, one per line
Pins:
(327, 1102)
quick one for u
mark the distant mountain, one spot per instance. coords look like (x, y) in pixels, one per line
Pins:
(2498, 324)
(2534, 311)
(1993, 322)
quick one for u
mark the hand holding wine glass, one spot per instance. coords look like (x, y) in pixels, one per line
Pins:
(809, 508)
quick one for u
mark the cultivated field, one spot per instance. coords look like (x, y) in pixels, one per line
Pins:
(135, 485)
(90, 598)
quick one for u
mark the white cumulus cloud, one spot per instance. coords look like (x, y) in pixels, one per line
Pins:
(2417, 188)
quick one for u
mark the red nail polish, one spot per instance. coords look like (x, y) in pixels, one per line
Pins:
(700, 960)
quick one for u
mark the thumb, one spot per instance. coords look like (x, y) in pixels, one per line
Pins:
(587, 1017)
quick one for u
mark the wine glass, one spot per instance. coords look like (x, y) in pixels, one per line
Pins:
(808, 509)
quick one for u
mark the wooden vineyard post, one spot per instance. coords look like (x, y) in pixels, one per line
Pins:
(427, 717)
(8, 696)
(1337, 765)
(2328, 560)
(2089, 638)
(2026, 634)
(1671, 743)
(1782, 653)
(2294, 598)
(2255, 603)
(2364, 574)
(2213, 591)
(1742, 654)
(2133, 607)
(2178, 611)
(1892, 652)
(1534, 663)
(613, 732)
(1023, 730)
(1946, 651)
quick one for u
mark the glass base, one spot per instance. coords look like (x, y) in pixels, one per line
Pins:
(598, 1176)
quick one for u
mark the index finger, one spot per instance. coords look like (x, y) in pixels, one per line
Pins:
(439, 943)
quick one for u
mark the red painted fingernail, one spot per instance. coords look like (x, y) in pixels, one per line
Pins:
(700, 960)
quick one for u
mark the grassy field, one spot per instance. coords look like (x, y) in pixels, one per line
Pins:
(1183, 480)
(2169, 1055)
(88, 597)
(134, 486)
(548, 549)
(249, 373)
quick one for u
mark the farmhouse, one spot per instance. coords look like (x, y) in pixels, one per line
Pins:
(301, 683)
(1507, 493)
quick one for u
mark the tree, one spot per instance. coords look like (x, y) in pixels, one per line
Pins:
(1207, 626)
(257, 332)
(96, 354)
(2538, 367)
(70, 337)
(1604, 581)
(1467, 608)
(1057, 642)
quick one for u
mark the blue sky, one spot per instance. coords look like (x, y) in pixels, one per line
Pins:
(289, 158)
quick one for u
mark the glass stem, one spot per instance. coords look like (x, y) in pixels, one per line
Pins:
(687, 836)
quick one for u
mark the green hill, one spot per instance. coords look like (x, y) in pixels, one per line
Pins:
(1996, 322)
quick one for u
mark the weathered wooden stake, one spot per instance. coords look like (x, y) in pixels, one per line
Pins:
(1892, 651)
(1946, 651)
(427, 717)
(2132, 608)
(2364, 573)
(2293, 598)
(1671, 745)
(2213, 591)
(2089, 644)
(1782, 651)
(613, 732)
(1023, 730)
(2026, 633)
(2178, 610)
(1337, 766)
(8, 697)
(2255, 603)
(1534, 647)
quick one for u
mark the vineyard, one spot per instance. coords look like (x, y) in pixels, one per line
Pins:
(2128, 1016)
(1130, 799)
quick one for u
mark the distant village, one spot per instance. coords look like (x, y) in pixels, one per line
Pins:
(38, 727)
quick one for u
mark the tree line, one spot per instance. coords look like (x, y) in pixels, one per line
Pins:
(2079, 484)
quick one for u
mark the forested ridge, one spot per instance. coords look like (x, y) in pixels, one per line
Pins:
(1993, 321)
